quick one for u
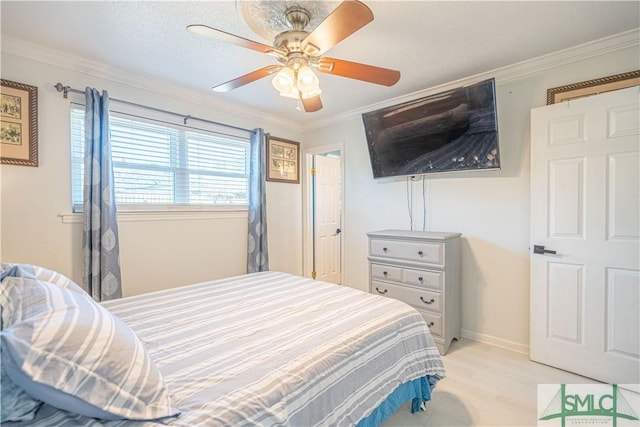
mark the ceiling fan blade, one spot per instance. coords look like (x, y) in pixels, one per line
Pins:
(312, 104)
(247, 78)
(216, 34)
(358, 71)
(345, 20)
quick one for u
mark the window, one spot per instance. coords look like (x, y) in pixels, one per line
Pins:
(160, 164)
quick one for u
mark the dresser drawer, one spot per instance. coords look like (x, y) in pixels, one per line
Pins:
(386, 272)
(432, 253)
(422, 278)
(418, 298)
(434, 322)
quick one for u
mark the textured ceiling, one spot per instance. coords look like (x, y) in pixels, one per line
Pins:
(430, 42)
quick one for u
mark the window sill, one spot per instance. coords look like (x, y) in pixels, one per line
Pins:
(183, 214)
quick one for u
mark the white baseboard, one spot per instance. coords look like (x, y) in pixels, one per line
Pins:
(494, 341)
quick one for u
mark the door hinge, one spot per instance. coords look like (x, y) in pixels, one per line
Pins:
(313, 274)
(313, 171)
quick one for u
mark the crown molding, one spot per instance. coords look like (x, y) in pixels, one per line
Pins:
(503, 74)
(149, 83)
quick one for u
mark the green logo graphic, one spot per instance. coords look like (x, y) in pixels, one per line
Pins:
(565, 405)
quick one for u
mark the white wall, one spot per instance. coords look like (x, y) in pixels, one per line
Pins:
(155, 253)
(490, 209)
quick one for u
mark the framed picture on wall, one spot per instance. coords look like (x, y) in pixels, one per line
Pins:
(593, 87)
(18, 124)
(283, 160)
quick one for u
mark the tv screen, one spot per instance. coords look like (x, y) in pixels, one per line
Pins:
(456, 130)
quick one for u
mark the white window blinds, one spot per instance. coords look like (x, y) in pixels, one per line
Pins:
(160, 164)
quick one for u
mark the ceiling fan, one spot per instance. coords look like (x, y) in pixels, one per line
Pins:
(298, 51)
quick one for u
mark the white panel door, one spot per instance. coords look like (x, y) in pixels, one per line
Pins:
(585, 206)
(327, 204)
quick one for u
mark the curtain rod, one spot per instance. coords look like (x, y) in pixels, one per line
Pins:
(66, 89)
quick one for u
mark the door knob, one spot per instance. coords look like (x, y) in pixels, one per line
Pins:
(539, 249)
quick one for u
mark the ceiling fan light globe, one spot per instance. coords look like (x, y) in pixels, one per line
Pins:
(307, 80)
(306, 75)
(284, 80)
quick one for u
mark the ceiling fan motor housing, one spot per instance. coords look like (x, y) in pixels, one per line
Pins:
(290, 41)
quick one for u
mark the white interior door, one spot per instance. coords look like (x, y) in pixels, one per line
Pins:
(327, 230)
(585, 201)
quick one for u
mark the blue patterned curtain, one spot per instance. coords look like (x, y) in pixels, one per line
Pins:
(257, 251)
(101, 251)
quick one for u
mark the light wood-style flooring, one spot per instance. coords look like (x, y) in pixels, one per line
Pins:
(485, 386)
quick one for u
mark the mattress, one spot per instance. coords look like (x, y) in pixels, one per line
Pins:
(277, 349)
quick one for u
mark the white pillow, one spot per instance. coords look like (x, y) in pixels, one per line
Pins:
(40, 273)
(70, 352)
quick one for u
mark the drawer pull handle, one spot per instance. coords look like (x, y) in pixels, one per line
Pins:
(431, 301)
(420, 279)
(384, 249)
(430, 324)
(384, 273)
(382, 292)
(420, 253)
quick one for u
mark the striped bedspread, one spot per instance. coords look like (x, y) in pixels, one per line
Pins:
(274, 349)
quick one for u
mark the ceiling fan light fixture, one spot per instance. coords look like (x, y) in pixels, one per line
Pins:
(307, 79)
(284, 80)
(296, 84)
(308, 83)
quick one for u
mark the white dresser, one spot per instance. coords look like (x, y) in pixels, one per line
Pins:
(421, 268)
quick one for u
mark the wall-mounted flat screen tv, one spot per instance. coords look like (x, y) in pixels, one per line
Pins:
(456, 130)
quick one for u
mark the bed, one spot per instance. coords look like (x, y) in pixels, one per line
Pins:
(268, 349)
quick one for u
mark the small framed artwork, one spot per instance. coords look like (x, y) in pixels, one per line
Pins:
(283, 160)
(18, 124)
(593, 87)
